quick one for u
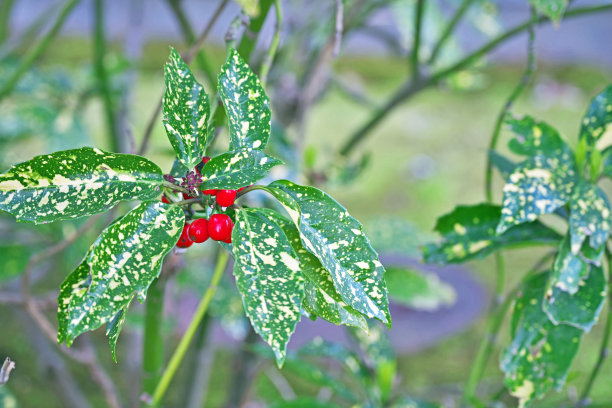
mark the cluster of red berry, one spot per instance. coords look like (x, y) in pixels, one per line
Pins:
(218, 226)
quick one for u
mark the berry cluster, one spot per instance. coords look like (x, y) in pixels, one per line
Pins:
(218, 226)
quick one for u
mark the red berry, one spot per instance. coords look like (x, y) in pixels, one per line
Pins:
(225, 198)
(229, 239)
(187, 196)
(212, 192)
(205, 159)
(184, 240)
(198, 231)
(220, 227)
(165, 200)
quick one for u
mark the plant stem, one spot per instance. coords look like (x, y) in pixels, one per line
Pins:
(526, 77)
(267, 62)
(153, 349)
(448, 30)
(181, 349)
(37, 51)
(407, 89)
(603, 350)
(117, 144)
(249, 39)
(416, 44)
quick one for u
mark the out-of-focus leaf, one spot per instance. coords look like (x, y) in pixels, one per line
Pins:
(504, 165)
(468, 232)
(393, 235)
(13, 260)
(407, 402)
(305, 402)
(541, 352)
(325, 349)
(418, 290)
(250, 7)
(553, 9)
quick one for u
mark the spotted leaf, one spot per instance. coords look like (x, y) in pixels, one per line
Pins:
(533, 138)
(576, 290)
(267, 273)
(321, 299)
(235, 169)
(504, 165)
(418, 290)
(120, 264)
(329, 232)
(541, 352)
(246, 104)
(468, 232)
(589, 217)
(186, 111)
(552, 9)
(75, 183)
(537, 186)
(598, 117)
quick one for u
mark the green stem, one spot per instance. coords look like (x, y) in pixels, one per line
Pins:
(448, 30)
(603, 350)
(416, 45)
(247, 43)
(526, 77)
(267, 62)
(181, 349)
(153, 349)
(37, 51)
(117, 143)
(5, 14)
(409, 89)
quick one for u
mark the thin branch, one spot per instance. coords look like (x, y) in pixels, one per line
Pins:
(5, 17)
(37, 51)
(339, 27)
(448, 30)
(408, 89)
(188, 56)
(416, 44)
(269, 58)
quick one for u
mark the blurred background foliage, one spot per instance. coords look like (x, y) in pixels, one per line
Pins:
(425, 156)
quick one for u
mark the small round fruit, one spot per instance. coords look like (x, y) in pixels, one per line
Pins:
(164, 199)
(184, 240)
(220, 227)
(187, 196)
(205, 159)
(212, 192)
(198, 231)
(229, 239)
(225, 198)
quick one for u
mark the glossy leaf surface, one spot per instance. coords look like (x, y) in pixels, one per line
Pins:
(235, 169)
(589, 217)
(598, 117)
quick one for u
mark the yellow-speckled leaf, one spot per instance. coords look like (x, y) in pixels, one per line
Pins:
(533, 138)
(598, 117)
(541, 352)
(186, 111)
(589, 217)
(268, 277)
(120, 264)
(329, 232)
(246, 104)
(75, 183)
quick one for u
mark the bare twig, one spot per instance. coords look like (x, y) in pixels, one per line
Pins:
(339, 27)
(188, 56)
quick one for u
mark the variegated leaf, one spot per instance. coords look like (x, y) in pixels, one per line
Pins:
(468, 232)
(75, 183)
(267, 273)
(246, 104)
(329, 232)
(598, 117)
(534, 138)
(589, 217)
(321, 298)
(186, 111)
(553, 9)
(120, 264)
(235, 169)
(541, 352)
(575, 300)
(537, 186)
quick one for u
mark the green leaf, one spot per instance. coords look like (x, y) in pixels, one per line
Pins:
(541, 352)
(320, 348)
(537, 186)
(553, 9)
(569, 269)
(329, 232)
(321, 298)
(120, 264)
(597, 118)
(75, 183)
(186, 111)
(407, 402)
(246, 104)
(535, 138)
(268, 277)
(421, 291)
(250, 7)
(468, 232)
(394, 235)
(13, 260)
(504, 165)
(589, 217)
(235, 169)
